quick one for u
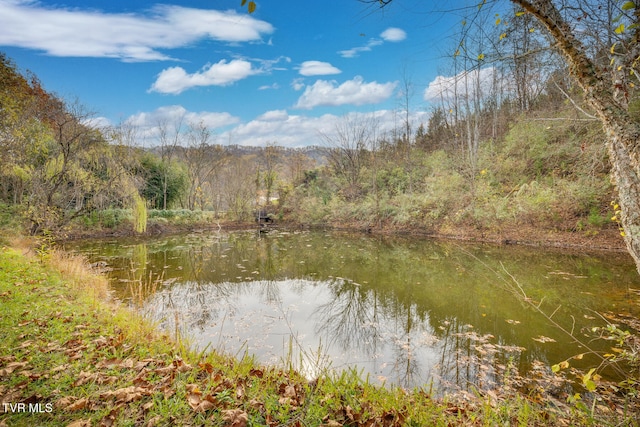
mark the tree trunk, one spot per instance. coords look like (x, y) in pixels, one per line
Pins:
(609, 103)
(627, 182)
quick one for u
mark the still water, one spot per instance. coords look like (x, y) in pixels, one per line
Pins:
(404, 311)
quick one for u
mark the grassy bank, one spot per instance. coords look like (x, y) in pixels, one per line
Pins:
(70, 358)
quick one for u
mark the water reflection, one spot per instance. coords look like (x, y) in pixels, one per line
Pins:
(406, 311)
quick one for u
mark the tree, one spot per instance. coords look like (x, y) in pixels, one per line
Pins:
(202, 160)
(608, 88)
(24, 136)
(606, 69)
(164, 182)
(269, 159)
(347, 153)
(169, 140)
(406, 93)
(53, 161)
(238, 188)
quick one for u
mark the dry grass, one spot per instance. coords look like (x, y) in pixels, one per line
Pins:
(79, 274)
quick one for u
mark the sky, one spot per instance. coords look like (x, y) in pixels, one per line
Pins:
(287, 74)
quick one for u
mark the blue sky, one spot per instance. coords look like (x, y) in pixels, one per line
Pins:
(285, 74)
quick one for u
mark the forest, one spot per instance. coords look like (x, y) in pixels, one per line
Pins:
(513, 159)
(511, 144)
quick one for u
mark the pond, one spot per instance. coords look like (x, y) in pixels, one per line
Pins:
(404, 311)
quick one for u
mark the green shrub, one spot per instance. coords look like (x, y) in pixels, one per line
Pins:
(106, 218)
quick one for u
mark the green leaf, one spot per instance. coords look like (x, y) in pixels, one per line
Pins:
(620, 29)
(587, 381)
(628, 5)
(243, 2)
(555, 369)
(590, 385)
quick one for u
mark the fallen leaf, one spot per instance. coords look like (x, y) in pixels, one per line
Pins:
(110, 419)
(100, 342)
(11, 367)
(78, 405)
(60, 368)
(26, 344)
(126, 364)
(194, 400)
(235, 417)
(7, 359)
(80, 423)
(256, 373)
(209, 402)
(84, 377)
(65, 401)
(240, 392)
(153, 421)
(130, 394)
(181, 366)
(543, 339)
(207, 367)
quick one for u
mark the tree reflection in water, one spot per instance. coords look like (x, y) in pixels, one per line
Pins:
(406, 311)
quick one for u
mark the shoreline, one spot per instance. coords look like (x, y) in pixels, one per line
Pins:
(605, 240)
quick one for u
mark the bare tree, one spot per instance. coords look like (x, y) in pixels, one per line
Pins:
(238, 187)
(202, 159)
(406, 92)
(604, 62)
(269, 159)
(347, 152)
(170, 136)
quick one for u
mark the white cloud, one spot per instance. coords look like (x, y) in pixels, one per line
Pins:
(459, 85)
(271, 86)
(175, 80)
(272, 64)
(353, 52)
(299, 130)
(297, 84)
(99, 122)
(148, 124)
(353, 92)
(393, 35)
(127, 36)
(274, 115)
(318, 68)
